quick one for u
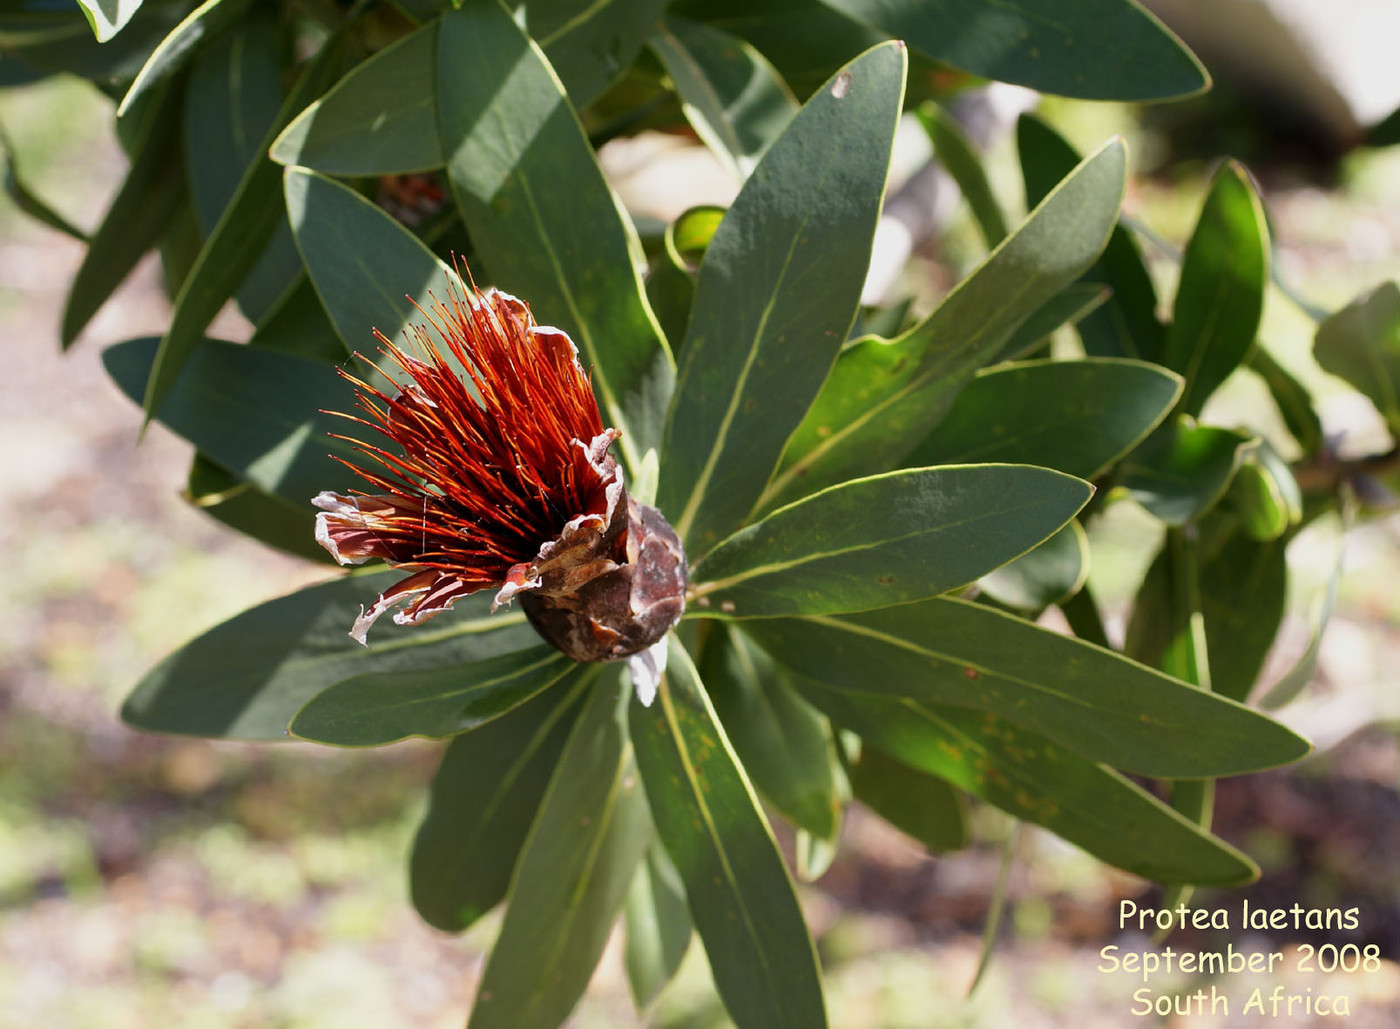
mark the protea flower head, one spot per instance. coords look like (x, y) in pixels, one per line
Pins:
(500, 478)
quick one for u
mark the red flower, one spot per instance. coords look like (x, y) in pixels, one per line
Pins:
(504, 481)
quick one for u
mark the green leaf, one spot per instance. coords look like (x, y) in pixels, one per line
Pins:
(777, 293)
(1078, 417)
(1183, 471)
(734, 99)
(108, 17)
(220, 685)
(511, 139)
(573, 873)
(1361, 343)
(365, 265)
(256, 412)
(27, 201)
(235, 244)
(1092, 49)
(786, 748)
(150, 196)
(381, 118)
(1244, 591)
(589, 45)
(740, 896)
(373, 709)
(245, 508)
(1294, 402)
(1265, 495)
(1070, 306)
(483, 801)
(204, 23)
(1030, 777)
(297, 324)
(1044, 576)
(658, 927)
(916, 803)
(887, 539)
(1126, 325)
(884, 396)
(959, 157)
(1221, 295)
(1095, 702)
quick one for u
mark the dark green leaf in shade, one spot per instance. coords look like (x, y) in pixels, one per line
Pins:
(381, 118)
(108, 17)
(298, 324)
(1078, 417)
(1265, 495)
(658, 927)
(1092, 49)
(511, 138)
(733, 98)
(1385, 132)
(960, 159)
(777, 293)
(1095, 702)
(883, 396)
(1070, 306)
(365, 265)
(670, 291)
(149, 197)
(241, 235)
(373, 709)
(1244, 591)
(589, 45)
(1044, 576)
(1221, 294)
(64, 42)
(258, 413)
(28, 201)
(741, 899)
(1126, 325)
(1294, 402)
(1031, 777)
(1361, 343)
(573, 872)
(234, 93)
(204, 23)
(935, 529)
(483, 801)
(219, 685)
(916, 803)
(1183, 470)
(786, 747)
(244, 508)
(1082, 612)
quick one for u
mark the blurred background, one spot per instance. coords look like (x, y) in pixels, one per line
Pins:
(163, 882)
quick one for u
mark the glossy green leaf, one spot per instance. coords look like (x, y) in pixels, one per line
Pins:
(108, 17)
(381, 118)
(1181, 472)
(484, 799)
(786, 747)
(152, 192)
(935, 529)
(1361, 344)
(1075, 416)
(776, 296)
(202, 24)
(1294, 402)
(256, 412)
(1031, 777)
(734, 99)
(883, 396)
(573, 873)
(658, 927)
(373, 709)
(960, 159)
(689, 236)
(1095, 702)
(219, 685)
(1244, 591)
(741, 899)
(244, 508)
(1126, 325)
(241, 235)
(1044, 576)
(1221, 294)
(589, 45)
(1070, 306)
(1265, 495)
(1094, 49)
(511, 138)
(365, 265)
(916, 803)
